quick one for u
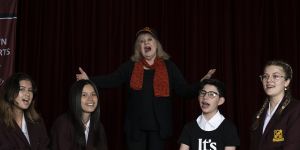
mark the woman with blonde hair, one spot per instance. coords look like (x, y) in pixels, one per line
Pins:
(151, 79)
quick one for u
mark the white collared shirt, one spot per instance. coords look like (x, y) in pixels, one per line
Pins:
(86, 131)
(269, 115)
(212, 123)
(24, 129)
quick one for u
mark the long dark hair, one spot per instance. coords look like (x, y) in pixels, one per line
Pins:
(287, 96)
(75, 112)
(10, 91)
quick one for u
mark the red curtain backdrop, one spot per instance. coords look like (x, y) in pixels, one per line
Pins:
(236, 37)
(8, 26)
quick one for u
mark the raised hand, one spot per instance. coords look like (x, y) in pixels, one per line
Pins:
(82, 75)
(209, 74)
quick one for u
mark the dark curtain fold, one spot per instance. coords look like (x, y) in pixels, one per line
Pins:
(236, 37)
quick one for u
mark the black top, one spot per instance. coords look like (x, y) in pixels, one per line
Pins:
(144, 110)
(198, 139)
(147, 117)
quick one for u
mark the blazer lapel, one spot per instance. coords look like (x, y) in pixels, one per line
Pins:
(33, 135)
(272, 122)
(20, 135)
(90, 135)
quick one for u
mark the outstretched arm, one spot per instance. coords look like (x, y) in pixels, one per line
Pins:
(82, 75)
(209, 74)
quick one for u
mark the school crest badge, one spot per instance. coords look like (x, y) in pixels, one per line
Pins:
(278, 136)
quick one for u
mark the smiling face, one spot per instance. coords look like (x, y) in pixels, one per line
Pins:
(25, 95)
(209, 100)
(89, 99)
(147, 46)
(274, 82)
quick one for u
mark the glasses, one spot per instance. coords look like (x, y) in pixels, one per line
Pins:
(210, 94)
(274, 77)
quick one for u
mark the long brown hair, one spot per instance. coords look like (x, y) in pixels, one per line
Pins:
(287, 97)
(11, 90)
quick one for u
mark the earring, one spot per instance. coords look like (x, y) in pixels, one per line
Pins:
(285, 88)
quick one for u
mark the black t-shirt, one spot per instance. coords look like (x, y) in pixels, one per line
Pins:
(198, 139)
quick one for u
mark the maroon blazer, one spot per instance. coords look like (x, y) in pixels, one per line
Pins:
(14, 139)
(62, 136)
(282, 132)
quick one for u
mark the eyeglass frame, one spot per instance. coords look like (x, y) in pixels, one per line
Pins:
(214, 94)
(274, 77)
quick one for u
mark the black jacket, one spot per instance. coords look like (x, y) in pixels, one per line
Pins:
(161, 105)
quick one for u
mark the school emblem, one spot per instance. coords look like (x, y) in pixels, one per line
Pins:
(278, 136)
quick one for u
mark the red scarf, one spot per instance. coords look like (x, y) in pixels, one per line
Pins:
(161, 78)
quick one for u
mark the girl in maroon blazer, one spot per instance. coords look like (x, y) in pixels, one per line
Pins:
(277, 123)
(80, 128)
(21, 127)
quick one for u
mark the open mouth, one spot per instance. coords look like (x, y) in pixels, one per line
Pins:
(26, 101)
(147, 49)
(270, 86)
(91, 104)
(205, 104)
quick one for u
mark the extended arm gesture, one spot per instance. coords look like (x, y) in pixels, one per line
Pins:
(82, 75)
(209, 74)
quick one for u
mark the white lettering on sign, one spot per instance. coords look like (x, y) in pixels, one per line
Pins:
(3, 41)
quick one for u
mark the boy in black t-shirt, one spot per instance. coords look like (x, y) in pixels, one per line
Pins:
(210, 131)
